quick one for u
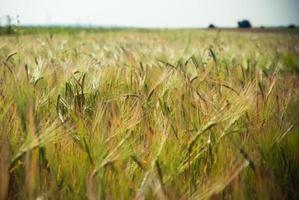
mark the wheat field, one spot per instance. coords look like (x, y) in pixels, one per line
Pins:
(157, 114)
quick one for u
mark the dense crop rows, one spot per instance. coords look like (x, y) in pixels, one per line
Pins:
(149, 115)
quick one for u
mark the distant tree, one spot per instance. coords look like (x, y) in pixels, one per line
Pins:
(9, 25)
(244, 24)
(291, 26)
(212, 26)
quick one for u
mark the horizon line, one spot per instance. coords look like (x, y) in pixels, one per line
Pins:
(86, 25)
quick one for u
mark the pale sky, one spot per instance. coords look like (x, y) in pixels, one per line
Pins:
(152, 13)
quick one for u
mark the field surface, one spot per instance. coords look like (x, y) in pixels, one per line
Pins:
(157, 114)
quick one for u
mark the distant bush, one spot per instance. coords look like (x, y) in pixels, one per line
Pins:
(211, 26)
(244, 24)
(291, 26)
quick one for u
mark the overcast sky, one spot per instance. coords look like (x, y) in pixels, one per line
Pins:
(152, 13)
